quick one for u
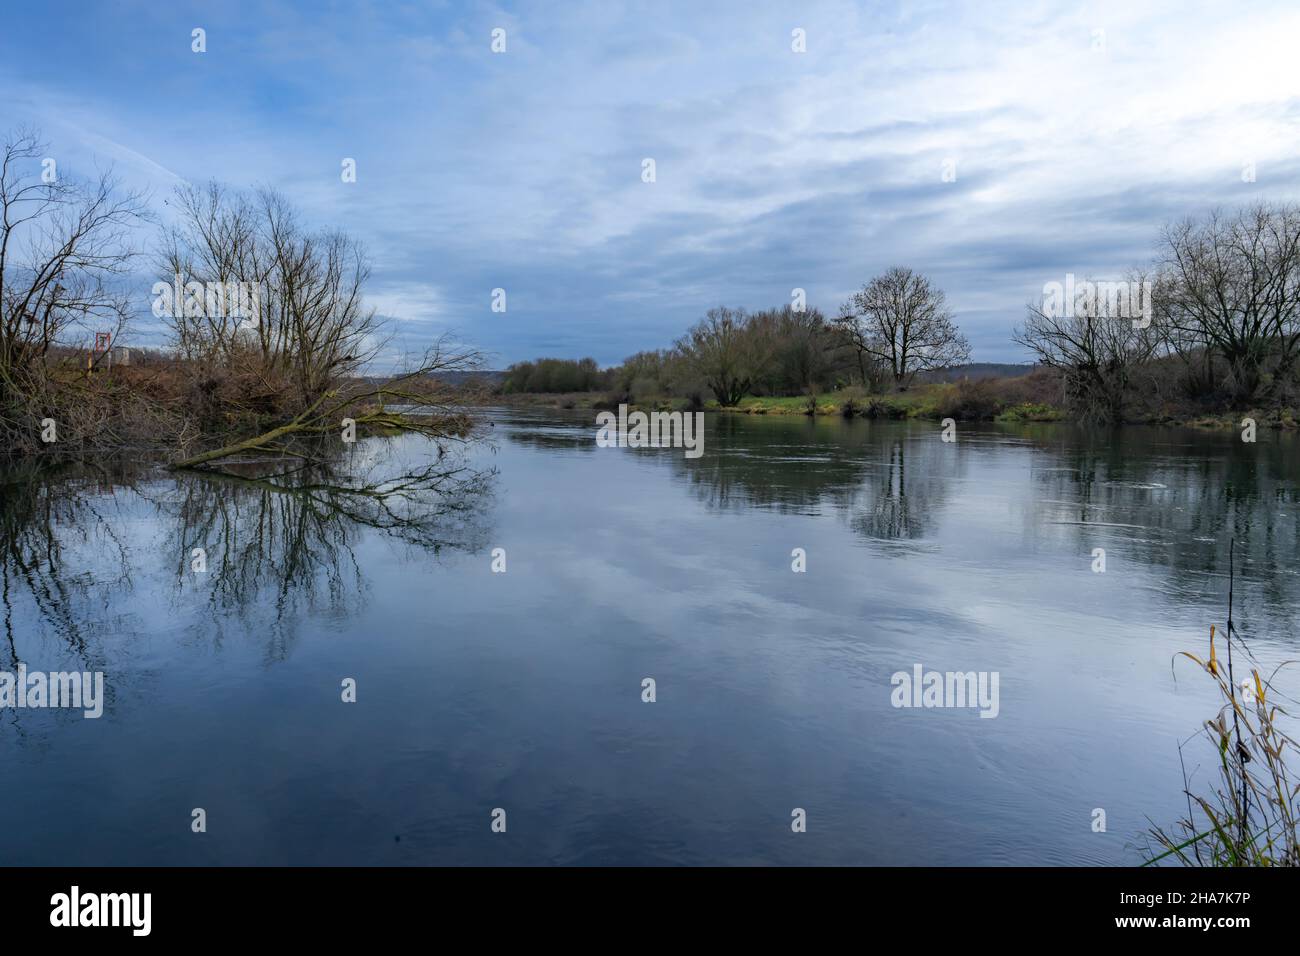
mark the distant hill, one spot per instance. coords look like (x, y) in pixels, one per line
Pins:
(486, 377)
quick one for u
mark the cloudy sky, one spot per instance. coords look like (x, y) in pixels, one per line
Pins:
(1074, 129)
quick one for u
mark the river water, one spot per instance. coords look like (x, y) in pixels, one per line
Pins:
(521, 690)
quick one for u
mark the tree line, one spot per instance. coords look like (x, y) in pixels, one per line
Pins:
(1220, 329)
(1211, 325)
(895, 327)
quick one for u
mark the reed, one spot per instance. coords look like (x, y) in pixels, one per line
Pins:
(1248, 816)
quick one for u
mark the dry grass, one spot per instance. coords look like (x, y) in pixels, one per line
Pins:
(1248, 818)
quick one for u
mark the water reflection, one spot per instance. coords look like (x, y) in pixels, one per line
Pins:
(522, 689)
(889, 484)
(791, 466)
(901, 500)
(62, 555)
(1174, 499)
(1166, 499)
(250, 548)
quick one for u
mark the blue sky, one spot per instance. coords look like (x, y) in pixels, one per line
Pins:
(1076, 130)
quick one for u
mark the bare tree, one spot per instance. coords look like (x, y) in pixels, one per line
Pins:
(1232, 285)
(312, 327)
(901, 319)
(726, 353)
(280, 383)
(1098, 353)
(64, 251)
(855, 335)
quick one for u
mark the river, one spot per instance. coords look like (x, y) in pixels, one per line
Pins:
(500, 636)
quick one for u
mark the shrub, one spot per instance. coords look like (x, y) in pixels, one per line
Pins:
(970, 401)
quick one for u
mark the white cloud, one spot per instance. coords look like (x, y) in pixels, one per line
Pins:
(522, 170)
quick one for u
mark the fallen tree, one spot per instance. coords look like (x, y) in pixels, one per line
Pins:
(425, 406)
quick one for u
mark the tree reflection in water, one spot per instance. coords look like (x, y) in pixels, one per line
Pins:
(276, 542)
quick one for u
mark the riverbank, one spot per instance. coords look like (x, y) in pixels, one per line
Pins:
(930, 402)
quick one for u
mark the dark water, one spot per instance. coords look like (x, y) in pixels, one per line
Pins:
(522, 690)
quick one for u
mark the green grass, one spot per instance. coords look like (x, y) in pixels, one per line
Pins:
(778, 405)
(915, 403)
(930, 402)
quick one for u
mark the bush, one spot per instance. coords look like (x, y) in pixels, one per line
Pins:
(970, 401)
(1032, 397)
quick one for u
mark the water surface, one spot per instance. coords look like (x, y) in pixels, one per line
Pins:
(523, 690)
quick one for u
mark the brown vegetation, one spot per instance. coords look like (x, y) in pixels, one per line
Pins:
(269, 332)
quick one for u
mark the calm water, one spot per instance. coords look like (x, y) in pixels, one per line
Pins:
(522, 690)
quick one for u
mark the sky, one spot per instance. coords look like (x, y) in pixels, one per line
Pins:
(995, 147)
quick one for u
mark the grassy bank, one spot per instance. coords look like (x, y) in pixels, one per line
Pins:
(991, 400)
(931, 402)
(925, 402)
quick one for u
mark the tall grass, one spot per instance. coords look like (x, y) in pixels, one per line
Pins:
(1249, 816)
